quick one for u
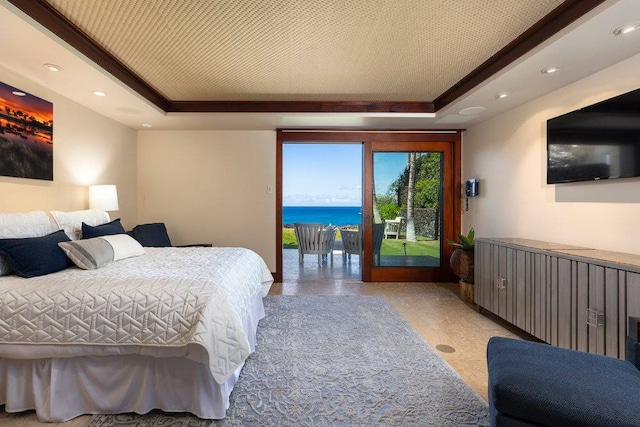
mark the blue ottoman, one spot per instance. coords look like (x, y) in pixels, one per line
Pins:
(541, 385)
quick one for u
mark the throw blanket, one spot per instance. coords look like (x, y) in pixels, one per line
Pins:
(191, 302)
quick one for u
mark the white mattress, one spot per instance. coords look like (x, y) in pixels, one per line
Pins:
(171, 302)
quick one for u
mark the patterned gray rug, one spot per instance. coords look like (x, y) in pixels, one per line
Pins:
(336, 361)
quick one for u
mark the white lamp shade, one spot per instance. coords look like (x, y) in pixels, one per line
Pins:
(103, 197)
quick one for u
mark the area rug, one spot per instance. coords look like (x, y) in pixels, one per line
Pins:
(336, 361)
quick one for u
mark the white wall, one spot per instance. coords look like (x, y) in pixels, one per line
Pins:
(210, 187)
(88, 148)
(508, 155)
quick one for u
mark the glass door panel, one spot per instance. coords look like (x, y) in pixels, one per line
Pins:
(406, 214)
(406, 209)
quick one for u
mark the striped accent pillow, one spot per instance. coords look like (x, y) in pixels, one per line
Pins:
(90, 254)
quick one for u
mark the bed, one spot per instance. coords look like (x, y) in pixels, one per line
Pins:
(168, 329)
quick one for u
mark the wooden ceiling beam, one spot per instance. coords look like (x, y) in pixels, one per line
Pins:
(298, 107)
(556, 20)
(559, 18)
(43, 13)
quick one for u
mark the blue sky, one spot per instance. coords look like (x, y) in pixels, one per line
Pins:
(387, 167)
(331, 174)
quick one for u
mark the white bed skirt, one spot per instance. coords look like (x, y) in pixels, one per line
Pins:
(60, 389)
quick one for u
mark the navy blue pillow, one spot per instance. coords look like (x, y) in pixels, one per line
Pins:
(113, 227)
(152, 235)
(36, 256)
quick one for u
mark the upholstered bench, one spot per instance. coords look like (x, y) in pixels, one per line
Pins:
(542, 385)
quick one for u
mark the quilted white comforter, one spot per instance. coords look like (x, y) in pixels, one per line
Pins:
(191, 302)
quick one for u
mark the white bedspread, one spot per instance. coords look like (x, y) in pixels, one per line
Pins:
(191, 302)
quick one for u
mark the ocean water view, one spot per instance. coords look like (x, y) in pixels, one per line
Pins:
(327, 215)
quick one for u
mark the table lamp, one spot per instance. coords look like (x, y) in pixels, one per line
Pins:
(103, 197)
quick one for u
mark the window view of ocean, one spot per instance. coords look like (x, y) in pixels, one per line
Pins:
(327, 215)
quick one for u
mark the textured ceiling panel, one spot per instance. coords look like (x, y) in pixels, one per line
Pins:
(290, 50)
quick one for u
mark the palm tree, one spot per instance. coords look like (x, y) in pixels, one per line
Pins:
(376, 212)
(411, 229)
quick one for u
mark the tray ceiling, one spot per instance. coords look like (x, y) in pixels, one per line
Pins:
(203, 55)
(292, 50)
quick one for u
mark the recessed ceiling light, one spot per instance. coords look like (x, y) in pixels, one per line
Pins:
(470, 111)
(53, 67)
(98, 93)
(550, 70)
(626, 29)
(502, 95)
(146, 125)
(18, 93)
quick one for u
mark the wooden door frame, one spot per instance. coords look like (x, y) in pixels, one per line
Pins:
(442, 273)
(453, 137)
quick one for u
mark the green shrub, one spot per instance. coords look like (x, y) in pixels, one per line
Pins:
(289, 238)
(389, 211)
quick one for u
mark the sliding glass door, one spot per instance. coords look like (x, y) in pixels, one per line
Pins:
(409, 193)
(411, 200)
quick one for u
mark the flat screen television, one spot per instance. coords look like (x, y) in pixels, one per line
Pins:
(601, 141)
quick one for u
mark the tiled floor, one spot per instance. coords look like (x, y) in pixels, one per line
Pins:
(434, 310)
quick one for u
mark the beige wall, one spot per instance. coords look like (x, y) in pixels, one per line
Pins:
(210, 187)
(508, 155)
(88, 149)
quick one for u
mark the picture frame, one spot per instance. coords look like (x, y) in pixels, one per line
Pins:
(26, 135)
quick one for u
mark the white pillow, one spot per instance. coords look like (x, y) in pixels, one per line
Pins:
(21, 225)
(71, 222)
(90, 254)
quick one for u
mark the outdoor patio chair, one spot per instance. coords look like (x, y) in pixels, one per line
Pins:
(313, 239)
(351, 242)
(392, 227)
(378, 234)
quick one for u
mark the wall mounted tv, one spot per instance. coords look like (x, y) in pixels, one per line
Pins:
(601, 141)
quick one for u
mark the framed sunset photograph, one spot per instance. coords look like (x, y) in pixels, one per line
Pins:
(26, 135)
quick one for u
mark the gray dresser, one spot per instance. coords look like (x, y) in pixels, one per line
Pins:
(568, 296)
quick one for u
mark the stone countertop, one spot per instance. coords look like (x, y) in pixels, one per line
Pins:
(605, 258)
(535, 244)
(608, 256)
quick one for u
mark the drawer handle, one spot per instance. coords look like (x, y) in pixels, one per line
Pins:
(595, 318)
